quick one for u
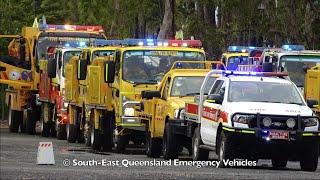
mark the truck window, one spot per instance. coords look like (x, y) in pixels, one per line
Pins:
(166, 89)
(216, 87)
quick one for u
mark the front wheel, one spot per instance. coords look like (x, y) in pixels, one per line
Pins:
(225, 149)
(153, 146)
(96, 139)
(45, 120)
(120, 142)
(71, 133)
(309, 156)
(13, 120)
(170, 144)
(61, 131)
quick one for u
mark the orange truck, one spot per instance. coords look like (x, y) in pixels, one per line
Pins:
(21, 67)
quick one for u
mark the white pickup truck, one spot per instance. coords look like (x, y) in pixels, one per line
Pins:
(251, 116)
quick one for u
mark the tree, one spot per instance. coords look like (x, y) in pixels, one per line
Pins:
(167, 29)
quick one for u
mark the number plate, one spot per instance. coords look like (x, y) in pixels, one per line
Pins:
(279, 135)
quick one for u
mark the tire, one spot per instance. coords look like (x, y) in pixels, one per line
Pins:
(198, 154)
(23, 121)
(13, 120)
(71, 128)
(279, 162)
(309, 156)
(71, 133)
(153, 146)
(120, 143)
(87, 134)
(170, 144)
(96, 139)
(225, 149)
(107, 132)
(61, 131)
(80, 135)
(45, 114)
(31, 123)
(54, 122)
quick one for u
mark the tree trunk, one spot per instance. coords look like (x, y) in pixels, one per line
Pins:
(112, 32)
(167, 29)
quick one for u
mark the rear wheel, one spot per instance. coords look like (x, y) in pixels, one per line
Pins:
(30, 122)
(13, 120)
(61, 131)
(170, 144)
(197, 153)
(87, 134)
(309, 156)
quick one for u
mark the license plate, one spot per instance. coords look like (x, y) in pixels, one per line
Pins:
(279, 135)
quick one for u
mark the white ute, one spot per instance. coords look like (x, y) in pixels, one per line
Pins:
(253, 116)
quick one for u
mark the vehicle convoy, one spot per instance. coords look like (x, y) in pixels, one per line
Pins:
(86, 88)
(241, 119)
(312, 89)
(138, 65)
(52, 90)
(178, 86)
(20, 69)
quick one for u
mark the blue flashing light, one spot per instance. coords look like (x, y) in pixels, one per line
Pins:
(82, 44)
(102, 42)
(238, 49)
(67, 45)
(291, 47)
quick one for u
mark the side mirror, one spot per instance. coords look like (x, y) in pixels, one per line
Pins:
(267, 67)
(109, 72)
(215, 98)
(305, 68)
(311, 103)
(52, 68)
(150, 94)
(82, 69)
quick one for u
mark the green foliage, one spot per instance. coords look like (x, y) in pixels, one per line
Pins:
(240, 21)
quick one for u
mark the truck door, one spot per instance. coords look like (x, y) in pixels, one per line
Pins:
(209, 119)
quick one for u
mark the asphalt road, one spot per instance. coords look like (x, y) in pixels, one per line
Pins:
(18, 155)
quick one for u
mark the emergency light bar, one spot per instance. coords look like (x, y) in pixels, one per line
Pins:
(163, 43)
(70, 28)
(265, 74)
(243, 48)
(102, 42)
(292, 47)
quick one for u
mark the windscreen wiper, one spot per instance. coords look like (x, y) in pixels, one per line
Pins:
(189, 94)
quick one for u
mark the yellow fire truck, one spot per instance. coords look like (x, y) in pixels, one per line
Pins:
(180, 85)
(312, 89)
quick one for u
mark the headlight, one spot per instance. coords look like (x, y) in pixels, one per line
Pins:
(181, 115)
(243, 119)
(291, 122)
(129, 111)
(65, 105)
(310, 122)
(267, 121)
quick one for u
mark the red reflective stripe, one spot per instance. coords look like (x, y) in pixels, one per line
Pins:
(209, 113)
(192, 108)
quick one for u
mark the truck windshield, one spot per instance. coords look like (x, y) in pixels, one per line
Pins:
(234, 61)
(46, 45)
(293, 64)
(101, 53)
(189, 85)
(149, 66)
(259, 91)
(67, 56)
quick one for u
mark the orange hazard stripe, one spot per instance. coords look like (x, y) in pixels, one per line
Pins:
(4, 75)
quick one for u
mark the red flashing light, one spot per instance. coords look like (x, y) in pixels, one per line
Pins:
(185, 43)
(74, 28)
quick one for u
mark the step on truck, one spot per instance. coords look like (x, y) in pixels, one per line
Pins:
(251, 116)
(88, 95)
(177, 87)
(20, 67)
(52, 91)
